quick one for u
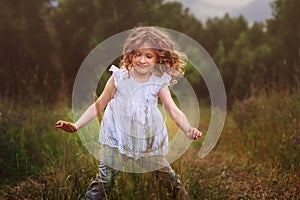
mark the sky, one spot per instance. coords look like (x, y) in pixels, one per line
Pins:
(252, 10)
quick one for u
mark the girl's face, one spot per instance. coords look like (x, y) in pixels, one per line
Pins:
(144, 60)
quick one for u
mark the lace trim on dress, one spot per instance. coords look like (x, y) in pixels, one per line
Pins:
(113, 142)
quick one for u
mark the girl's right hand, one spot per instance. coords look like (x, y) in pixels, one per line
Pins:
(66, 126)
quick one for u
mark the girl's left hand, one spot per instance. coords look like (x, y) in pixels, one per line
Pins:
(194, 133)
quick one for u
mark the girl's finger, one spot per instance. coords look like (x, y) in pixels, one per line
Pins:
(197, 135)
(58, 126)
(59, 122)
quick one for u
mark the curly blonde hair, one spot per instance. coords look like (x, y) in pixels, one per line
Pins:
(170, 60)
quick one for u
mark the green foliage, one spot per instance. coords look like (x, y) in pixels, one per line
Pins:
(43, 46)
(284, 37)
(245, 65)
(81, 25)
(25, 49)
(74, 22)
(224, 29)
(251, 71)
(286, 43)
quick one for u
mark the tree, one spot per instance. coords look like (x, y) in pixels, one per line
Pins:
(220, 37)
(74, 22)
(284, 37)
(250, 55)
(226, 29)
(81, 25)
(25, 49)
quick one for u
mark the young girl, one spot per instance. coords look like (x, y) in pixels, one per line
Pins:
(132, 127)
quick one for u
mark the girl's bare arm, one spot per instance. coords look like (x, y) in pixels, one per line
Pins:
(92, 111)
(177, 115)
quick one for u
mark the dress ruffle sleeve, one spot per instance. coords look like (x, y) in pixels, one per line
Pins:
(118, 74)
(166, 79)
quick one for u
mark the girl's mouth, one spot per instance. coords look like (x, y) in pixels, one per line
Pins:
(142, 66)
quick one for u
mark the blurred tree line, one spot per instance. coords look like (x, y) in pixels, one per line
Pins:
(42, 45)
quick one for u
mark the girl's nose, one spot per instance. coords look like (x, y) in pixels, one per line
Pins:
(142, 59)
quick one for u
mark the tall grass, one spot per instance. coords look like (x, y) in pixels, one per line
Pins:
(269, 128)
(25, 138)
(257, 156)
(39, 161)
(44, 162)
(267, 138)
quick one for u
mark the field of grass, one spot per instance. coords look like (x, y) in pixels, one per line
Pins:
(257, 156)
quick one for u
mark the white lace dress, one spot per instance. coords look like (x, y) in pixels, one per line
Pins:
(132, 122)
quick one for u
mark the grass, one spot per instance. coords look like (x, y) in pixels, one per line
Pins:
(257, 156)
